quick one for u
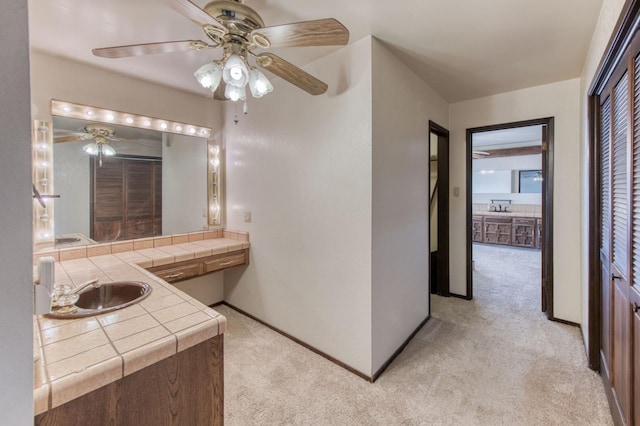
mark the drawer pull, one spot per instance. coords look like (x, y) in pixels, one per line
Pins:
(636, 308)
(179, 274)
(227, 263)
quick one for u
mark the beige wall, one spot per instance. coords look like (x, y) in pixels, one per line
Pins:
(302, 166)
(609, 14)
(16, 320)
(560, 100)
(56, 78)
(402, 107)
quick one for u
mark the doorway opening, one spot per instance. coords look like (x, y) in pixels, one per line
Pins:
(509, 205)
(439, 209)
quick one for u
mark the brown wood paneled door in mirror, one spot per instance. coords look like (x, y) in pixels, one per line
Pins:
(126, 198)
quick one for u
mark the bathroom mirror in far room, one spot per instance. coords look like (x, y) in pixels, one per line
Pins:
(118, 182)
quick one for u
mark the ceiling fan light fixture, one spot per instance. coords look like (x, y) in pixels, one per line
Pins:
(209, 75)
(108, 150)
(235, 72)
(235, 93)
(91, 148)
(259, 84)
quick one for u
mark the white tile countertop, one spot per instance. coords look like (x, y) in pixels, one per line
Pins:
(76, 356)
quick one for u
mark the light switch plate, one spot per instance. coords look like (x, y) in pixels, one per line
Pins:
(247, 216)
(456, 191)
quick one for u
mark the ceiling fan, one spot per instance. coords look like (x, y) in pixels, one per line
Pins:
(239, 30)
(101, 135)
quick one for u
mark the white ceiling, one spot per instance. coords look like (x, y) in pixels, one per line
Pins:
(463, 48)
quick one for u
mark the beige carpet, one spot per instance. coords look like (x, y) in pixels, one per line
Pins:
(493, 361)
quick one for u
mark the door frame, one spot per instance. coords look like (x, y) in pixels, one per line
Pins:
(547, 211)
(442, 258)
(628, 23)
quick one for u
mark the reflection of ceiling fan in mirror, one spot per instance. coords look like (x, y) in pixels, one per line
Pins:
(101, 135)
(239, 30)
(479, 154)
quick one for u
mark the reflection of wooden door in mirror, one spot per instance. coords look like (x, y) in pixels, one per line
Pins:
(126, 198)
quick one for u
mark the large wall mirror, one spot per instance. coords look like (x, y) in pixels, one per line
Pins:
(114, 182)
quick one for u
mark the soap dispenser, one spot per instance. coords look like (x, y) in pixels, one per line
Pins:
(44, 285)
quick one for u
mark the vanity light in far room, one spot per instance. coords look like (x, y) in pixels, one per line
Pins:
(163, 126)
(129, 120)
(110, 117)
(147, 123)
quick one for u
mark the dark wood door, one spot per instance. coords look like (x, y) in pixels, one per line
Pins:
(635, 302)
(126, 198)
(620, 234)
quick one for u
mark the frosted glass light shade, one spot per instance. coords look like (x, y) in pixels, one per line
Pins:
(108, 150)
(91, 148)
(235, 72)
(209, 75)
(97, 148)
(259, 84)
(235, 93)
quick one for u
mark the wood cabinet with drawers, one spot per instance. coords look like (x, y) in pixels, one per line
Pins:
(507, 230)
(497, 230)
(524, 232)
(187, 269)
(476, 229)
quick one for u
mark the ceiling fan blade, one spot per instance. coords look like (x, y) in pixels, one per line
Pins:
(291, 73)
(148, 48)
(321, 32)
(194, 13)
(67, 138)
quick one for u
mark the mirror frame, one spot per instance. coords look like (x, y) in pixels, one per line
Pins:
(42, 160)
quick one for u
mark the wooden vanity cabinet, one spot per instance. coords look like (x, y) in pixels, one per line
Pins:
(187, 269)
(184, 389)
(476, 229)
(524, 232)
(497, 230)
(539, 233)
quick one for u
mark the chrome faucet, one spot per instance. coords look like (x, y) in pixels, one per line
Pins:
(91, 283)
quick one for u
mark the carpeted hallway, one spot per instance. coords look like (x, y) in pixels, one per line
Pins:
(492, 361)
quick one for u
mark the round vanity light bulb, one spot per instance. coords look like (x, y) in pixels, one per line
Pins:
(147, 123)
(178, 128)
(129, 120)
(110, 117)
(163, 126)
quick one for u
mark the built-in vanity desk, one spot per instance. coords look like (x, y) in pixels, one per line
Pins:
(156, 362)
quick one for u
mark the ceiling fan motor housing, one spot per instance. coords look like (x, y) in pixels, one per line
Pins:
(236, 14)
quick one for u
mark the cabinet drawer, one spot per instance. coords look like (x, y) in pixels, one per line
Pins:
(524, 221)
(177, 273)
(493, 219)
(232, 259)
